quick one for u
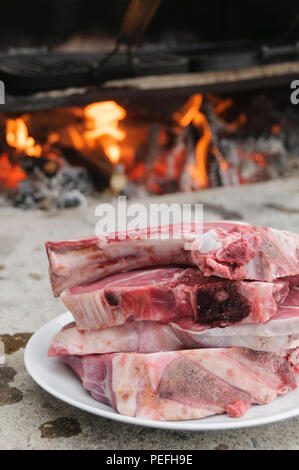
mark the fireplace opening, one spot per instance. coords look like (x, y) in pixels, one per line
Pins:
(166, 102)
(56, 158)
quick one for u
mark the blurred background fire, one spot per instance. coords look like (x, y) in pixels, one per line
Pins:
(138, 97)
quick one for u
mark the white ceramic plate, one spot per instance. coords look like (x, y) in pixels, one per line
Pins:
(59, 380)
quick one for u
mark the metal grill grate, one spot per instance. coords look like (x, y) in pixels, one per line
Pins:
(41, 72)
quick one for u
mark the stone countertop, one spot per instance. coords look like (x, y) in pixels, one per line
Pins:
(30, 418)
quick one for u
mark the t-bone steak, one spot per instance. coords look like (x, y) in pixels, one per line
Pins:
(184, 384)
(226, 249)
(279, 335)
(170, 293)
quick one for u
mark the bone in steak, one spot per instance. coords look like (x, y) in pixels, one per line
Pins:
(279, 335)
(228, 250)
(142, 336)
(170, 293)
(184, 384)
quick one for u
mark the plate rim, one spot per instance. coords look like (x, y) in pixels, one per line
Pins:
(184, 425)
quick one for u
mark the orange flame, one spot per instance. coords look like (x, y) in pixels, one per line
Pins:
(17, 137)
(191, 113)
(223, 105)
(10, 175)
(276, 129)
(259, 158)
(102, 122)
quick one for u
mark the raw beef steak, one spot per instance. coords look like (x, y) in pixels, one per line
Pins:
(142, 336)
(184, 384)
(226, 249)
(279, 335)
(169, 293)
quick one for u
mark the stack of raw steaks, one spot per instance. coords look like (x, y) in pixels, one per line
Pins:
(168, 333)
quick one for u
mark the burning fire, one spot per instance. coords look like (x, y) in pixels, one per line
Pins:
(102, 122)
(191, 114)
(17, 137)
(101, 129)
(174, 160)
(10, 175)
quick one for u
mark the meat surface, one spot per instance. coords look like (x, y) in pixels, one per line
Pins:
(184, 384)
(247, 252)
(78, 262)
(171, 293)
(279, 335)
(226, 249)
(143, 336)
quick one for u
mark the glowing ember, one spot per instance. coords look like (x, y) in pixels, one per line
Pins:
(17, 137)
(220, 158)
(259, 159)
(223, 105)
(102, 122)
(276, 129)
(10, 175)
